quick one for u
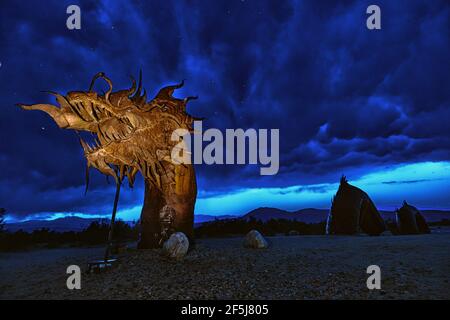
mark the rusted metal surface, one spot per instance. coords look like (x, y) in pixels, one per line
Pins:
(134, 135)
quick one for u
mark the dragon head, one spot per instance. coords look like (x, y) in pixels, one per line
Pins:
(131, 134)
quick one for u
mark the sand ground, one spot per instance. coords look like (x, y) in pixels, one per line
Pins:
(295, 267)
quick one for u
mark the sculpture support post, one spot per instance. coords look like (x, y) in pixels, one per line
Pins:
(180, 195)
(182, 199)
(150, 226)
(113, 220)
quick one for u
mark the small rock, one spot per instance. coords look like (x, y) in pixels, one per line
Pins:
(176, 246)
(255, 240)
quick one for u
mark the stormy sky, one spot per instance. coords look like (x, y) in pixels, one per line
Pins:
(373, 105)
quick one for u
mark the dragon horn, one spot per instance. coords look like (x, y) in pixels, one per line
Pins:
(133, 87)
(138, 91)
(98, 75)
(187, 99)
(104, 77)
(166, 92)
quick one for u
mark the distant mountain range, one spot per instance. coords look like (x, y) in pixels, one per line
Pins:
(309, 215)
(79, 224)
(58, 225)
(202, 218)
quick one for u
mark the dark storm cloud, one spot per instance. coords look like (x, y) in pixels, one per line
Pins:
(344, 98)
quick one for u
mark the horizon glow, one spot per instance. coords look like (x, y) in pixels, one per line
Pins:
(387, 187)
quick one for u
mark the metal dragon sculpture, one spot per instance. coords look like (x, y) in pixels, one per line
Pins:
(134, 135)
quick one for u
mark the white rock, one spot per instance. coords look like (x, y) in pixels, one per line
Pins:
(176, 246)
(255, 240)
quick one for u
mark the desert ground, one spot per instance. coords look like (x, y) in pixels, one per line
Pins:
(294, 267)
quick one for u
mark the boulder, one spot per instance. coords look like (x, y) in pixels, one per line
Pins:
(176, 246)
(255, 240)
